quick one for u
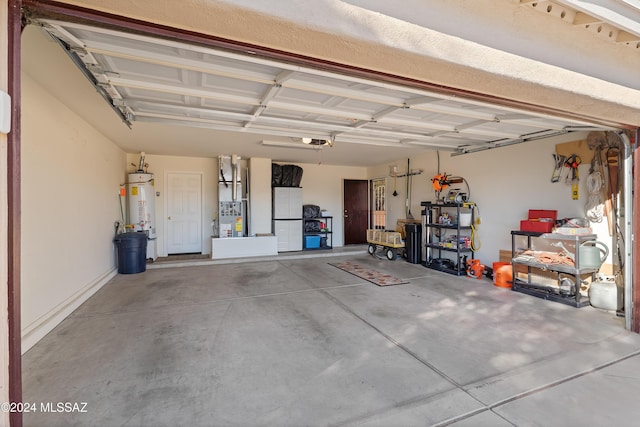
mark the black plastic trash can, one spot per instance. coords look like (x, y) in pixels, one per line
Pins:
(131, 251)
(413, 243)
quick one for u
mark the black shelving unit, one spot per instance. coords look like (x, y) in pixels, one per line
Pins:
(443, 238)
(325, 234)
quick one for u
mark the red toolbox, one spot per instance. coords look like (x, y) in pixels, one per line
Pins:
(541, 221)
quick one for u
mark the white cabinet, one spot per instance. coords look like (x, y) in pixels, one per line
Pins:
(287, 218)
(287, 203)
(289, 234)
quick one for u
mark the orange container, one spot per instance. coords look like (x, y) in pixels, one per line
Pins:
(502, 274)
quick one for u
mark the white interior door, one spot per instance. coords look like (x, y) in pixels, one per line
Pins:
(184, 212)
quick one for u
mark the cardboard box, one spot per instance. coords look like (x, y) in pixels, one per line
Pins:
(540, 221)
(505, 256)
(537, 275)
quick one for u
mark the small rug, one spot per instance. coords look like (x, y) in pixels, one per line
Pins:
(372, 276)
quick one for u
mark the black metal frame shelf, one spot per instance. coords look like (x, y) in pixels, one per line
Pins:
(546, 292)
(327, 233)
(460, 231)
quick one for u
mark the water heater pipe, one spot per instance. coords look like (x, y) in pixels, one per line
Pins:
(141, 164)
(234, 177)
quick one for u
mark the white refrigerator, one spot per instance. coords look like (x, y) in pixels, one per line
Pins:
(287, 218)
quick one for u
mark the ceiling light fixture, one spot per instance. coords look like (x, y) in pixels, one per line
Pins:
(317, 142)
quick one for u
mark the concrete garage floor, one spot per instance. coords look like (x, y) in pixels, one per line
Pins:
(298, 342)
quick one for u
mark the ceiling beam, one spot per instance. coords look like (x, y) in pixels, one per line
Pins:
(428, 104)
(270, 93)
(181, 90)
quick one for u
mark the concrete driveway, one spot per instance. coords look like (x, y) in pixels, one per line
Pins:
(299, 342)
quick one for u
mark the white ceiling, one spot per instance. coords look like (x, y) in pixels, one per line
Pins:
(181, 99)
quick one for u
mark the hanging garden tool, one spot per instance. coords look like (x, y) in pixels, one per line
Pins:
(407, 201)
(573, 162)
(393, 171)
(559, 164)
(409, 175)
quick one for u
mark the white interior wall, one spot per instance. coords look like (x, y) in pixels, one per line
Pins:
(505, 183)
(503, 188)
(260, 203)
(323, 185)
(70, 185)
(159, 166)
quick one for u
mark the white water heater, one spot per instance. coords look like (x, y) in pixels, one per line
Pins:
(141, 203)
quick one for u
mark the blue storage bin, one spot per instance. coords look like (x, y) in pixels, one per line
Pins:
(311, 242)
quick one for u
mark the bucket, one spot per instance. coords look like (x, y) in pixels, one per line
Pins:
(131, 251)
(502, 274)
(593, 254)
(465, 220)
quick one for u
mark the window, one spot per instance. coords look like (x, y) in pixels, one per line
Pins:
(379, 203)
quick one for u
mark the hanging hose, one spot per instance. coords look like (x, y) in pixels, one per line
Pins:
(594, 207)
(475, 240)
